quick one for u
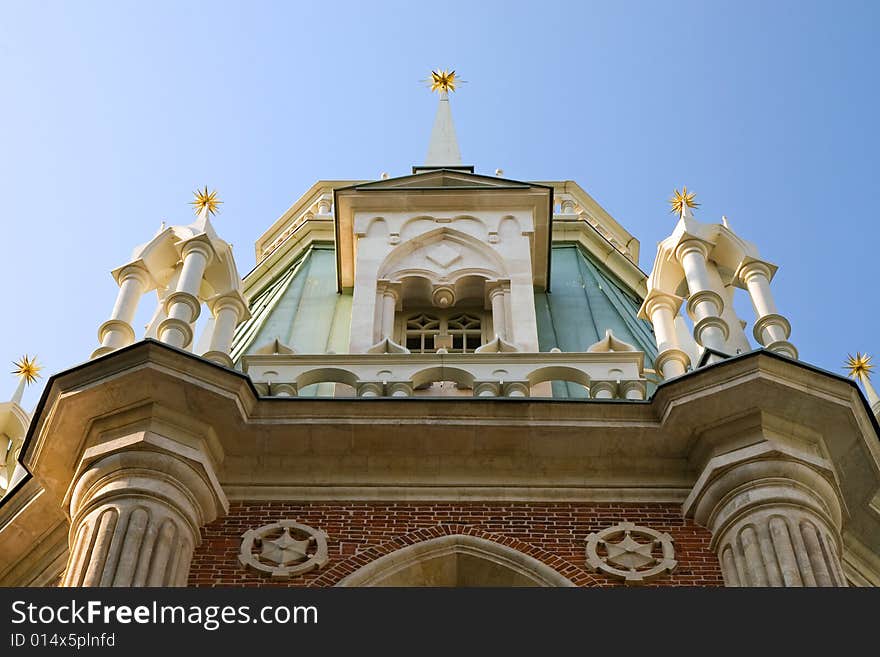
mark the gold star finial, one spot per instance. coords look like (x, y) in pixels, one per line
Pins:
(443, 80)
(681, 200)
(859, 366)
(27, 368)
(206, 199)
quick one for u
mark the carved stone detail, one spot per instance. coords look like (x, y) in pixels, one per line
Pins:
(616, 552)
(283, 549)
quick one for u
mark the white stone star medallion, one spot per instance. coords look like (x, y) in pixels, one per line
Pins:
(616, 552)
(283, 549)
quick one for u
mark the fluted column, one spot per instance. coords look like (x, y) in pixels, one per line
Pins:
(182, 306)
(499, 324)
(661, 309)
(704, 304)
(771, 330)
(228, 310)
(135, 519)
(117, 332)
(775, 519)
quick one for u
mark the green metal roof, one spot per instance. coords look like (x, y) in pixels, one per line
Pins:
(585, 302)
(302, 308)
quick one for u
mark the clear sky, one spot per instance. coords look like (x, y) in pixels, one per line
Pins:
(113, 112)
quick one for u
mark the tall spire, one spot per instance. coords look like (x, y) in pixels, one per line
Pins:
(443, 149)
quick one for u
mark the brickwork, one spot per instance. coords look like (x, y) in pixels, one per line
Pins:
(360, 532)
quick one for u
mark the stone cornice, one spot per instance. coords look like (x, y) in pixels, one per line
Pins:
(451, 448)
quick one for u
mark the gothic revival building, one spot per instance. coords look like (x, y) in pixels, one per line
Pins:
(444, 378)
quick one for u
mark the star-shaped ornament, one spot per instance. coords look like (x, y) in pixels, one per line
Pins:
(285, 549)
(630, 554)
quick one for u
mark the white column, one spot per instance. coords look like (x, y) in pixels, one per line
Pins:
(183, 306)
(661, 309)
(389, 306)
(499, 312)
(117, 332)
(771, 329)
(775, 521)
(704, 303)
(135, 519)
(228, 310)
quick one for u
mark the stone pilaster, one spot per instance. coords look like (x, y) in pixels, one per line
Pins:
(775, 517)
(136, 506)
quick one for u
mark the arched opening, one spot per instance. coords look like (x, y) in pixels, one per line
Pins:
(326, 382)
(442, 381)
(453, 561)
(565, 382)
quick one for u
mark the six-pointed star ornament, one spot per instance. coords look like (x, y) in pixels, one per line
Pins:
(286, 549)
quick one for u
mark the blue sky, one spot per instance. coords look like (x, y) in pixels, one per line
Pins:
(113, 112)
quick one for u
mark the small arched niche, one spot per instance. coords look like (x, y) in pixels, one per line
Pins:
(456, 561)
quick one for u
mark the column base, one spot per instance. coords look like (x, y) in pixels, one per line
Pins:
(218, 357)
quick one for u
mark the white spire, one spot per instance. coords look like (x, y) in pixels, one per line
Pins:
(443, 149)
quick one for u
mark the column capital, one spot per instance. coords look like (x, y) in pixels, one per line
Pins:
(496, 287)
(233, 300)
(136, 270)
(657, 300)
(691, 243)
(750, 267)
(198, 244)
(775, 513)
(387, 287)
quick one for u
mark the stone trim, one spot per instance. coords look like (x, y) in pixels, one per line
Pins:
(577, 576)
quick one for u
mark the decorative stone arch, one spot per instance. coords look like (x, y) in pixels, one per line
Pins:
(491, 264)
(433, 374)
(545, 568)
(558, 373)
(326, 375)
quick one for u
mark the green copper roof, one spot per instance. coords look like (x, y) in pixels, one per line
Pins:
(303, 310)
(585, 301)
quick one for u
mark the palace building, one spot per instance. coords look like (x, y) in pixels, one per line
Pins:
(447, 378)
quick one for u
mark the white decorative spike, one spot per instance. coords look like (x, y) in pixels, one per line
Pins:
(871, 394)
(443, 149)
(19, 391)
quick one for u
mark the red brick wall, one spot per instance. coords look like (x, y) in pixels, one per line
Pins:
(359, 532)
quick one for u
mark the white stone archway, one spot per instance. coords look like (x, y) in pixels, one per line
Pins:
(456, 263)
(456, 560)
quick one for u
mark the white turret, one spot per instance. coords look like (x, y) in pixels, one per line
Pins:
(702, 264)
(14, 422)
(859, 367)
(187, 266)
